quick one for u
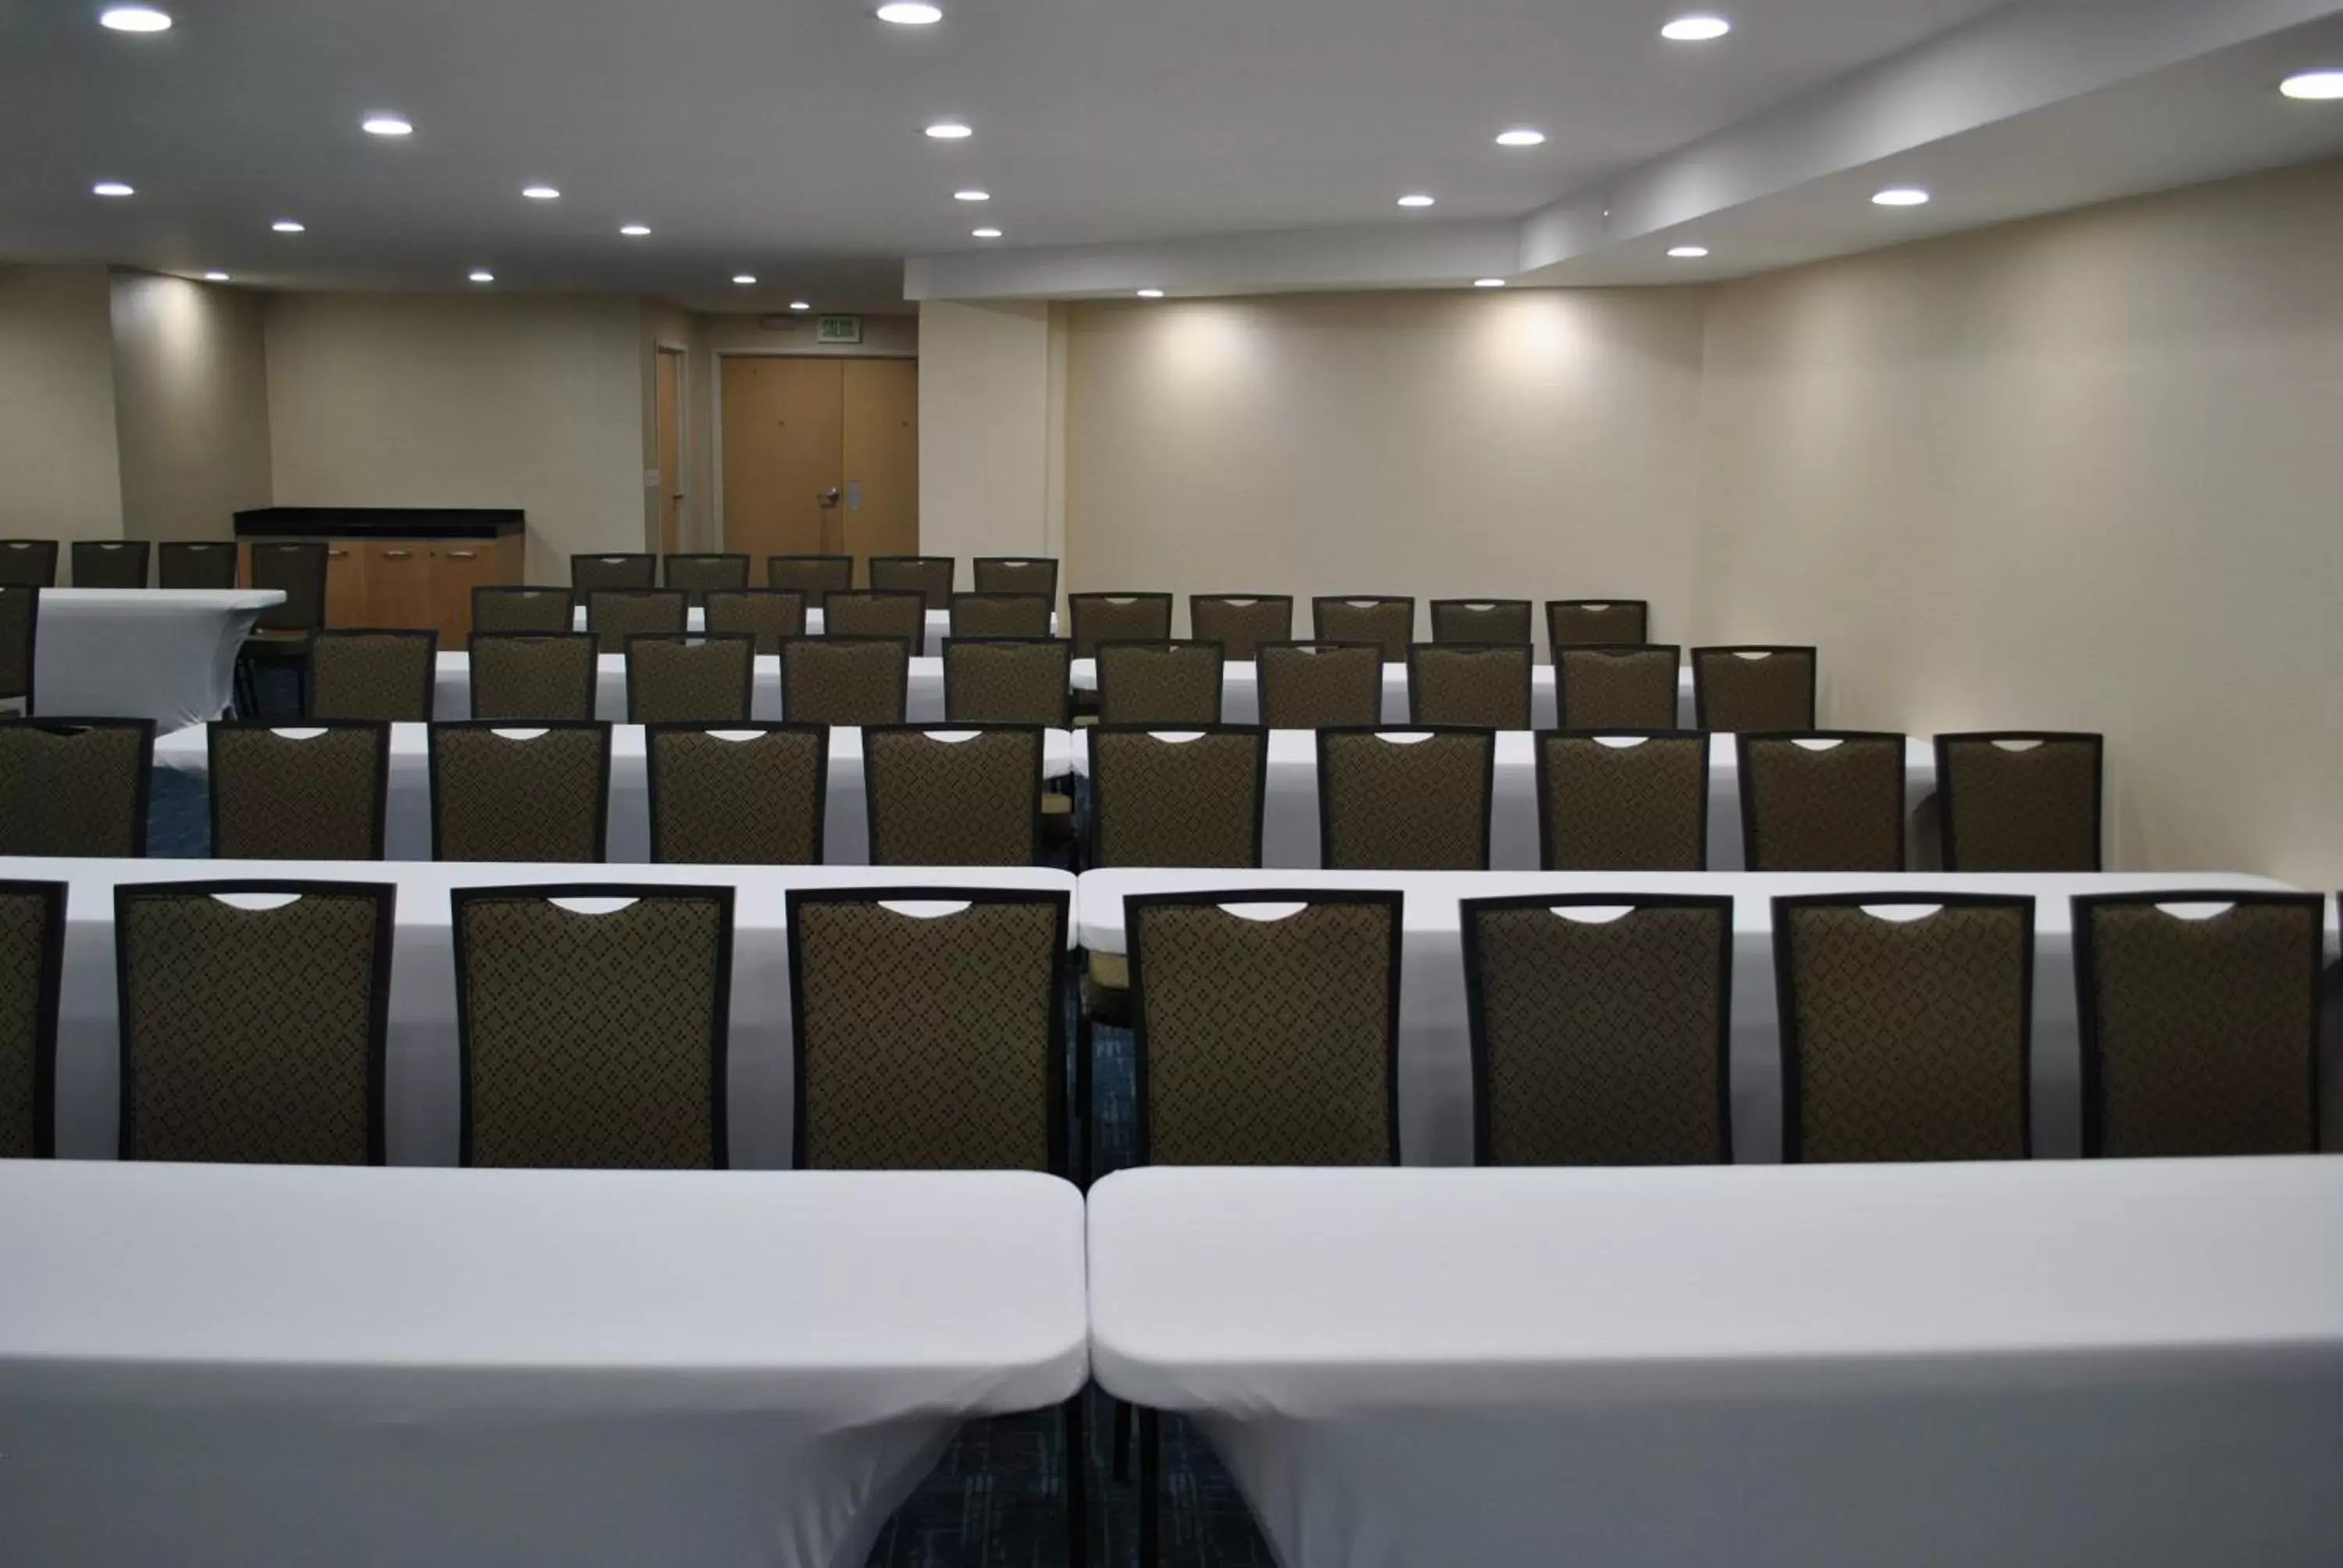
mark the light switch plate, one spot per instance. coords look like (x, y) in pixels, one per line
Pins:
(650, 478)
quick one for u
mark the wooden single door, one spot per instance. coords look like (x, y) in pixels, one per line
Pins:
(671, 450)
(882, 458)
(455, 571)
(345, 587)
(399, 588)
(783, 456)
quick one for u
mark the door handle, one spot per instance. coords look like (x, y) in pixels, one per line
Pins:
(828, 498)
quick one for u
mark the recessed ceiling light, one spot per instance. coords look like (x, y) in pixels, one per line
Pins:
(1488, 283)
(286, 225)
(744, 278)
(800, 305)
(910, 12)
(1688, 252)
(482, 274)
(951, 131)
(1695, 29)
(984, 233)
(135, 19)
(1901, 195)
(385, 126)
(1521, 137)
(215, 278)
(540, 193)
(1415, 199)
(2314, 84)
(110, 189)
(1151, 294)
(972, 196)
(634, 230)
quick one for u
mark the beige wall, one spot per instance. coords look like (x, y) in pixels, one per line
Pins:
(458, 400)
(190, 405)
(988, 441)
(60, 474)
(2081, 471)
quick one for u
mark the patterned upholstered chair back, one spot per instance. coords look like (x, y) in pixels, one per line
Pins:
(28, 563)
(297, 569)
(1022, 615)
(890, 612)
(110, 563)
(1831, 801)
(747, 796)
(1387, 622)
(74, 787)
(845, 679)
(386, 675)
(1483, 685)
(695, 574)
(929, 1028)
(20, 627)
(1596, 622)
(594, 1025)
(1621, 687)
(253, 1018)
(1753, 689)
(2019, 802)
(1320, 685)
(622, 573)
(315, 793)
(1241, 623)
(537, 677)
(1007, 680)
(615, 615)
(1159, 682)
(1099, 618)
(930, 577)
(32, 968)
(1622, 802)
(194, 564)
(1904, 1039)
(1016, 574)
(1601, 1029)
(690, 680)
(944, 797)
(813, 578)
(1180, 797)
(1480, 620)
(1406, 799)
(772, 616)
(513, 793)
(497, 609)
(1266, 1040)
(2200, 1023)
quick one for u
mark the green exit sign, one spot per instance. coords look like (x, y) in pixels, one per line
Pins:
(837, 329)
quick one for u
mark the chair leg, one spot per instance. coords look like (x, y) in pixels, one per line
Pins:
(1078, 1486)
(1122, 1440)
(1150, 1482)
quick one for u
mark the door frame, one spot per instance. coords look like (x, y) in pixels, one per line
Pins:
(715, 406)
(682, 352)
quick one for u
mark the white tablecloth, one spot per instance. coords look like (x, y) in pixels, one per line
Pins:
(214, 1366)
(452, 690)
(164, 654)
(1930, 1366)
(1436, 1082)
(406, 835)
(1240, 692)
(938, 626)
(423, 1073)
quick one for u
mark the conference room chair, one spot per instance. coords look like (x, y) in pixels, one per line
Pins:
(1830, 800)
(614, 614)
(1097, 618)
(1602, 1028)
(2200, 1023)
(691, 678)
(930, 577)
(616, 573)
(1596, 622)
(499, 610)
(886, 612)
(1191, 797)
(255, 1016)
(772, 616)
(373, 675)
(28, 563)
(812, 577)
(1406, 799)
(1614, 802)
(1753, 689)
(1006, 681)
(534, 677)
(1241, 623)
(593, 1023)
(1016, 574)
(32, 974)
(536, 794)
(110, 563)
(1907, 1021)
(1617, 686)
(20, 630)
(940, 795)
(1483, 686)
(695, 574)
(1025, 615)
(1159, 682)
(280, 637)
(859, 680)
(1480, 620)
(194, 564)
(74, 787)
(1387, 622)
(1319, 685)
(2020, 800)
(315, 793)
(737, 795)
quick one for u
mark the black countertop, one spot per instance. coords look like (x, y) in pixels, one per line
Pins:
(380, 522)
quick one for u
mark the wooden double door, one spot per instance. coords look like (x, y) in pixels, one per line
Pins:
(822, 457)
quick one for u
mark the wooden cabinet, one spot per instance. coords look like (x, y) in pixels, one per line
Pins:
(386, 583)
(346, 590)
(457, 568)
(399, 587)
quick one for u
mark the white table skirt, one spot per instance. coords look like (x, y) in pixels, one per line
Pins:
(220, 1366)
(1932, 1366)
(422, 1076)
(164, 654)
(938, 626)
(1436, 1082)
(1289, 803)
(451, 695)
(1240, 692)
(407, 834)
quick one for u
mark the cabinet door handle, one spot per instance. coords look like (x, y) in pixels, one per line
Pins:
(396, 555)
(463, 555)
(337, 555)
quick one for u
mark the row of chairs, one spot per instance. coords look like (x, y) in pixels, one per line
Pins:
(120, 563)
(815, 577)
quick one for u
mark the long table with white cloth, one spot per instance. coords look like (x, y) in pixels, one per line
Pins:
(1434, 1074)
(2031, 1366)
(451, 696)
(407, 834)
(164, 654)
(422, 1068)
(1240, 692)
(938, 629)
(225, 1366)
